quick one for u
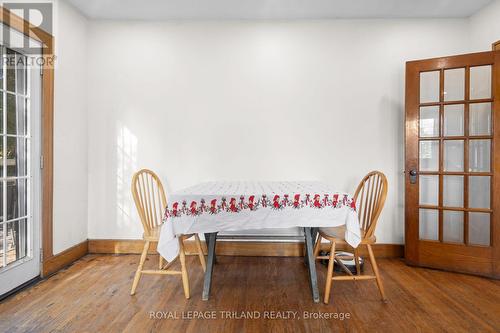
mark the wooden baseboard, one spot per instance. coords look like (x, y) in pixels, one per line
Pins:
(119, 246)
(65, 258)
(224, 248)
(236, 248)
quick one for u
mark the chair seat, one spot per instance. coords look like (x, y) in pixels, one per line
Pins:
(337, 234)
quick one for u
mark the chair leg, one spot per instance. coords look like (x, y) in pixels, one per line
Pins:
(139, 268)
(317, 246)
(185, 278)
(356, 260)
(375, 270)
(329, 275)
(200, 252)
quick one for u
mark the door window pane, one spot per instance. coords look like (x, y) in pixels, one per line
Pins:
(454, 120)
(429, 190)
(3, 152)
(429, 155)
(453, 191)
(429, 87)
(479, 191)
(16, 245)
(1, 244)
(479, 229)
(16, 72)
(480, 82)
(480, 118)
(1, 66)
(16, 157)
(14, 148)
(429, 121)
(454, 84)
(16, 198)
(1, 111)
(10, 71)
(479, 155)
(454, 155)
(2, 182)
(21, 72)
(16, 115)
(453, 226)
(428, 224)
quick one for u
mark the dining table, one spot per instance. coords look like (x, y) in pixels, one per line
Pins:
(214, 207)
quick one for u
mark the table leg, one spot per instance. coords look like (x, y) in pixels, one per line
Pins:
(311, 264)
(206, 241)
(314, 233)
(210, 239)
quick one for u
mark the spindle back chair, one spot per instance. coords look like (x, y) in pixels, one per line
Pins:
(150, 201)
(370, 198)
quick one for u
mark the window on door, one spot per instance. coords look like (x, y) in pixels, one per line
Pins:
(455, 164)
(15, 137)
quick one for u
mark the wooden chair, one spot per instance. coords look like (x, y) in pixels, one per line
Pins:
(370, 198)
(150, 201)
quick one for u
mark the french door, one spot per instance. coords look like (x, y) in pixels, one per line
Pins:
(452, 172)
(20, 86)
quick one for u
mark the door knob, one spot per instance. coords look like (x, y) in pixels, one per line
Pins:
(413, 176)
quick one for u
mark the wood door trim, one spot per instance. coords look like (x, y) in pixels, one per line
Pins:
(494, 228)
(451, 62)
(477, 260)
(474, 101)
(15, 22)
(411, 162)
(495, 46)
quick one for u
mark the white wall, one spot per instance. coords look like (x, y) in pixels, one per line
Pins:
(485, 27)
(199, 101)
(70, 129)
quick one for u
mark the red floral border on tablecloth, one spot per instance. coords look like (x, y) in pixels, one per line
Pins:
(234, 205)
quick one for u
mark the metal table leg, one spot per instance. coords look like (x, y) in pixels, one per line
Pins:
(311, 264)
(210, 239)
(206, 241)
(314, 233)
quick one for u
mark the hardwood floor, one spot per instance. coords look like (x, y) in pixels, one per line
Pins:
(93, 296)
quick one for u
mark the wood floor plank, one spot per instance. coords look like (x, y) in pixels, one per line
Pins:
(93, 296)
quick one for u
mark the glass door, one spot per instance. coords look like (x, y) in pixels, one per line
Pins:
(451, 174)
(20, 85)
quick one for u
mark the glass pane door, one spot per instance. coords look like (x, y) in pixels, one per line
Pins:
(19, 169)
(455, 155)
(14, 143)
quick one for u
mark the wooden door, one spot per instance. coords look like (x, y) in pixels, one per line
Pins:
(452, 171)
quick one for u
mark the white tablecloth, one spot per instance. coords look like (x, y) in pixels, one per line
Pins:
(229, 206)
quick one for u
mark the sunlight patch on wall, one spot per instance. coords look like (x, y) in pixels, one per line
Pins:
(126, 161)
